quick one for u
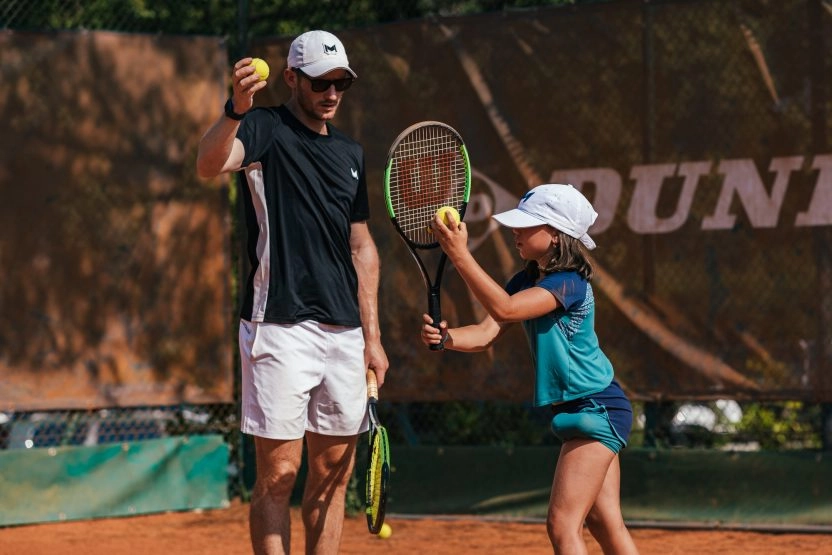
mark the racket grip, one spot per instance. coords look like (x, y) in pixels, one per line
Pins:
(372, 385)
(435, 312)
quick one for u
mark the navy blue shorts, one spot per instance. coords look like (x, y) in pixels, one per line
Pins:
(606, 416)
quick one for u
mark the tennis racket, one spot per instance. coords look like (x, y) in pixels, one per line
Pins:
(378, 468)
(427, 169)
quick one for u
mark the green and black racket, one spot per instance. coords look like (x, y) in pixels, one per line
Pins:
(378, 469)
(427, 169)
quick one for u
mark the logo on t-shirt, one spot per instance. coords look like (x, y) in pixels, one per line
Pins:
(354, 173)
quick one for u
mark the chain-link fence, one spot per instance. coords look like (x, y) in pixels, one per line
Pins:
(663, 120)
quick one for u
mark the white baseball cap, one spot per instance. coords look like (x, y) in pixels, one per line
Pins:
(560, 206)
(316, 53)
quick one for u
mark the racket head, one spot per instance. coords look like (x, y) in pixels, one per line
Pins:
(427, 168)
(378, 479)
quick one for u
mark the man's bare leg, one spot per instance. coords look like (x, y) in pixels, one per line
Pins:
(330, 460)
(278, 462)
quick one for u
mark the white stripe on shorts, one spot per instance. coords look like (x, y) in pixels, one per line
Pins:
(299, 377)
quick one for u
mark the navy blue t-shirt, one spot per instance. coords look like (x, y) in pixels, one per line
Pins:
(301, 191)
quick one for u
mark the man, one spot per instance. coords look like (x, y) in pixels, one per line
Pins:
(309, 321)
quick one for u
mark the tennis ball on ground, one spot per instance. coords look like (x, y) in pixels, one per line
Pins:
(261, 68)
(385, 532)
(446, 213)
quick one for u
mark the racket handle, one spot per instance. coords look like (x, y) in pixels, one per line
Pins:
(372, 385)
(435, 312)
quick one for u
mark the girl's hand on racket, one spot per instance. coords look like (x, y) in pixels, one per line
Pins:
(245, 82)
(432, 335)
(453, 238)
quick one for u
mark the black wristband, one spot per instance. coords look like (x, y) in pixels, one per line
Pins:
(230, 113)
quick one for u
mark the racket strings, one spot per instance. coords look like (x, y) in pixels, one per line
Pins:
(377, 475)
(429, 170)
(374, 479)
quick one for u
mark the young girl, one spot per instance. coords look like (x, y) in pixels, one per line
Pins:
(553, 300)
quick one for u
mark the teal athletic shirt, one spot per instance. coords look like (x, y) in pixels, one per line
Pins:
(569, 363)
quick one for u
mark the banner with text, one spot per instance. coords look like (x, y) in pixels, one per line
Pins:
(700, 133)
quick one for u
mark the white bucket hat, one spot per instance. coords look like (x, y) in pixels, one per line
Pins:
(316, 53)
(560, 206)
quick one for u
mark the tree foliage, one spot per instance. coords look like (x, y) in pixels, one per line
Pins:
(219, 17)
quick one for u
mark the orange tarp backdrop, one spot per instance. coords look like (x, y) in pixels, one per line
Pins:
(698, 130)
(114, 257)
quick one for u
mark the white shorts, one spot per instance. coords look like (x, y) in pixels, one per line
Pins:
(299, 377)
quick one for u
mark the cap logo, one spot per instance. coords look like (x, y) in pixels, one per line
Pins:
(526, 197)
(330, 49)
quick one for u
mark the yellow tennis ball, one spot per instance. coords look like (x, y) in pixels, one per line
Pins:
(446, 212)
(261, 68)
(385, 532)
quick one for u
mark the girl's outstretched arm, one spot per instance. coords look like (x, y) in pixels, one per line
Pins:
(501, 306)
(469, 339)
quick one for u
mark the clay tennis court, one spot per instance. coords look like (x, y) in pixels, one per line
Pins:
(225, 532)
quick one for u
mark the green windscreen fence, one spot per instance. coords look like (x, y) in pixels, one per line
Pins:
(768, 490)
(119, 479)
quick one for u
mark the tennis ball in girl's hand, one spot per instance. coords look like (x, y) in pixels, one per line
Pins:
(261, 68)
(385, 532)
(446, 213)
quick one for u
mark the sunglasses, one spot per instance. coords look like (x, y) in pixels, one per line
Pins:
(321, 85)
